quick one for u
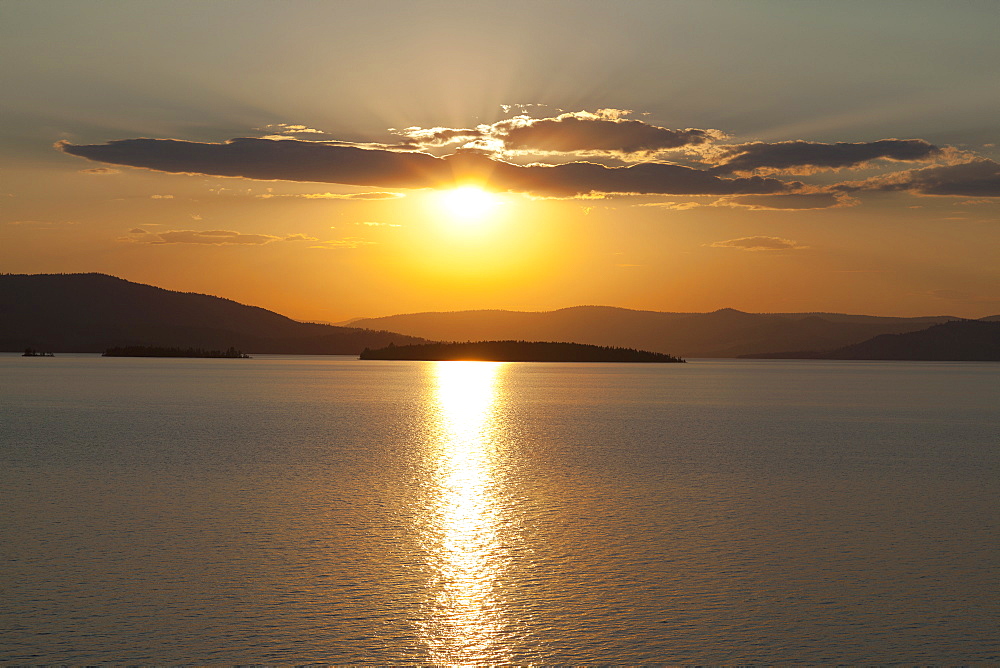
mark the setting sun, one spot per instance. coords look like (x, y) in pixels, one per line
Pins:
(468, 203)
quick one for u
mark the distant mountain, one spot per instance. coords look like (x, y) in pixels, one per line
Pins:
(94, 312)
(956, 341)
(722, 333)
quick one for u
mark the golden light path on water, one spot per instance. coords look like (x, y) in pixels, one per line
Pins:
(463, 541)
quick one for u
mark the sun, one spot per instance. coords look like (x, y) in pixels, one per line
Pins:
(468, 203)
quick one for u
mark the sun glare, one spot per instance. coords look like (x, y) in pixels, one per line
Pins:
(468, 203)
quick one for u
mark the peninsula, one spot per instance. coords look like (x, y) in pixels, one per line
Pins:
(515, 351)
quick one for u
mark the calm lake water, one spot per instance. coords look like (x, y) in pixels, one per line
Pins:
(322, 509)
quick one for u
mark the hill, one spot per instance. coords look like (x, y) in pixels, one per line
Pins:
(516, 351)
(722, 333)
(956, 341)
(94, 312)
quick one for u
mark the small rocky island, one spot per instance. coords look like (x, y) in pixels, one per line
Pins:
(515, 351)
(156, 351)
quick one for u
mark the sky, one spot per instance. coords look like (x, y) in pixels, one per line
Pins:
(334, 160)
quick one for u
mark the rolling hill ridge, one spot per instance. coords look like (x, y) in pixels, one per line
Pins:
(93, 312)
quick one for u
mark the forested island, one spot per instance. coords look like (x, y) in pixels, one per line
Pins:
(515, 351)
(157, 351)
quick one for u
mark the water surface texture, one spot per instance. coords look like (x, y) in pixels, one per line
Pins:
(309, 509)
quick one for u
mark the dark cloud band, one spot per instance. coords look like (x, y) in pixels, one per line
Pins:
(574, 134)
(294, 160)
(804, 157)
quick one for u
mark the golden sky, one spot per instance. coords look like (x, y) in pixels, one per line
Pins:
(339, 160)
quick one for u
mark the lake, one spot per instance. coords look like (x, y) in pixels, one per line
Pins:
(326, 510)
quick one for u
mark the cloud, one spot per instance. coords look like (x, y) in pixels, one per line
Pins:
(346, 242)
(300, 237)
(564, 154)
(355, 196)
(417, 137)
(101, 171)
(976, 178)
(295, 160)
(269, 160)
(759, 244)
(215, 237)
(803, 157)
(604, 132)
(574, 179)
(292, 129)
(374, 224)
(161, 197)
(674, 206)
(137, 230)
(788, 201)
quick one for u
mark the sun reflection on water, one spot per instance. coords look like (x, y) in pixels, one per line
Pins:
(462, 534)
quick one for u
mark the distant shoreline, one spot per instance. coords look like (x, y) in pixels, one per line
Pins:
(157, 351)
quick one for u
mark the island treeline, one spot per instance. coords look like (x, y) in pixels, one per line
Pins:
(157, 351)
(515, 351)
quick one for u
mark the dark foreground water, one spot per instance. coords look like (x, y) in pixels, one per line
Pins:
(296, 510)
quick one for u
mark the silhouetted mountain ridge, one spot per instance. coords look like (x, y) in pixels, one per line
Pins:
(93, 312)
(955, 341)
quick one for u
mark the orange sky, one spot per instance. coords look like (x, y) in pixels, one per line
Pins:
(788, 158)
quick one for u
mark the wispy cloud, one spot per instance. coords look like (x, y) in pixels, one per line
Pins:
(759, 243)
(348, 196)
(100, 171)
(674, 206)
(290, 129)
(346, 242)
(211, 237)
(788, 202)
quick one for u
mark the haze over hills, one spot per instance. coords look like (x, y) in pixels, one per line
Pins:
(93, 312)
(722, 333)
